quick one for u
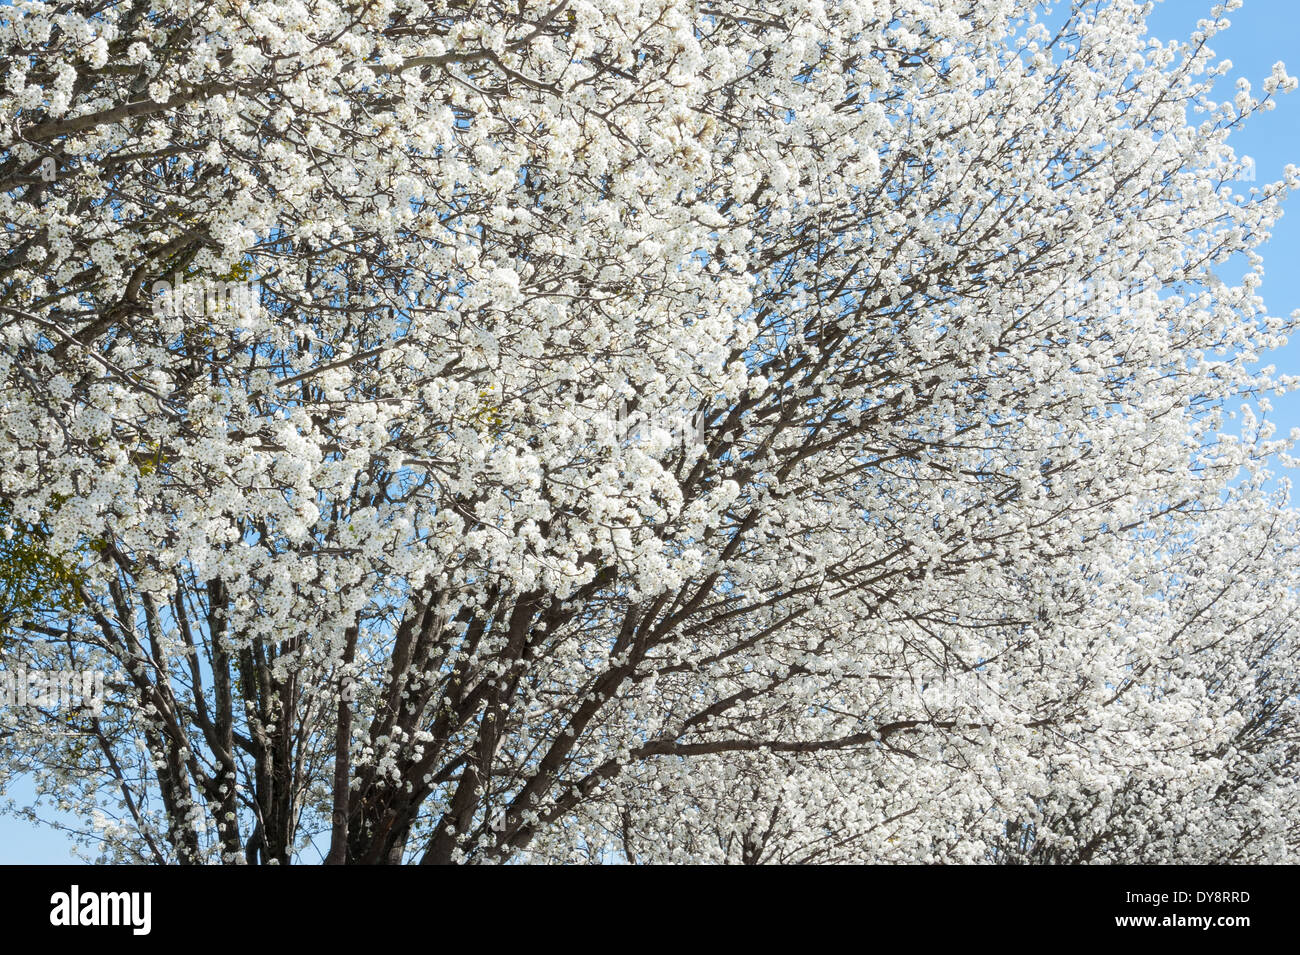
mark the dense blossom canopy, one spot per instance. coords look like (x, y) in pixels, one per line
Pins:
(659, 430)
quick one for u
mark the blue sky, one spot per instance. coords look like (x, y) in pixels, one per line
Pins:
(1262, 32)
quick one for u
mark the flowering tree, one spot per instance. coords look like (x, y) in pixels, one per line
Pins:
(651, 429)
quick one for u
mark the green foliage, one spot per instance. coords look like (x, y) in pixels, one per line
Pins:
(487, 415)
(33, 579)
(149, 459)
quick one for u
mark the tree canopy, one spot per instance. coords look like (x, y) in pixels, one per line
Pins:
(661, 430)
